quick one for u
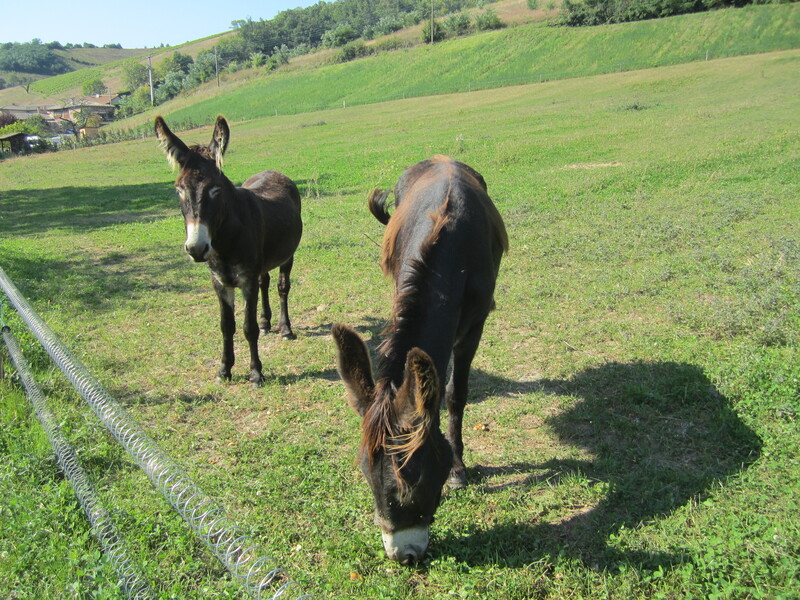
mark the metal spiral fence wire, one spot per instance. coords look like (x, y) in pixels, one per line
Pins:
(104, 529)
(258, 574)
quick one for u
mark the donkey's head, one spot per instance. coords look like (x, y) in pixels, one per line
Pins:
(404, 456)
(201, 186)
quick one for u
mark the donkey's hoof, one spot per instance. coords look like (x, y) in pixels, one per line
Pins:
(223, 377)
(257, 379)
(456, 481)
(289, 336)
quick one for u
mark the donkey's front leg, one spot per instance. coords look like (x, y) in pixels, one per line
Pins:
(251, 331)
(456, 399)
(225, 295)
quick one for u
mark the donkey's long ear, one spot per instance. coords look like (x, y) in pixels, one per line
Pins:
(176, 150)
(355, 369)
(219, 140)
(420, 390)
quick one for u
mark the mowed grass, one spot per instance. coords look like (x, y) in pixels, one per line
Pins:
(632, 426)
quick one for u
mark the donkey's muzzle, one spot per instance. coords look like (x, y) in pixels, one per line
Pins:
(198, 254)
(408, 546)
(198, 241)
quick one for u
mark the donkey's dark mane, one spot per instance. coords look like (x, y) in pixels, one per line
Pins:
(409, 302)
(404, 325)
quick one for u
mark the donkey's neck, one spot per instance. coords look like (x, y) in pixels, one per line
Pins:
(425, 317)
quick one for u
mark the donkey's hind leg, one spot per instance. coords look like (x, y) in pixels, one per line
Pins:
(284, 285)
(266, 312)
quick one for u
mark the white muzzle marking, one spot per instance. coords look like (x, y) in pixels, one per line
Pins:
(407, 546)
(198, 241)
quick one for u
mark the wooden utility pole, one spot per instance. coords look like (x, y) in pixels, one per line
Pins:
(431, 22)
(150, 78)
(216, 64)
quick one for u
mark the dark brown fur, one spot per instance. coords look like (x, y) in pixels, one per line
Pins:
(244, 232)
(442, 247)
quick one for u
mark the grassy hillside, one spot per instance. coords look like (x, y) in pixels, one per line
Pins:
(632, 426)
(524, 54)
(81, 57)
(69, 85)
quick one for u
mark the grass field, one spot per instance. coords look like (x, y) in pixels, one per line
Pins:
(529, 53)
(632, 426)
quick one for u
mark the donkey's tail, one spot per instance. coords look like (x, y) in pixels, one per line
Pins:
(377, 205)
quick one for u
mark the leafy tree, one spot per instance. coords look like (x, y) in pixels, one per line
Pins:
(134, 74)
(6, 118)
(138, 101)
(34, 125)
(232, 49)
(170, 87)
(388, 24)
(339, 36)
(203, 69)
(175, 62)
(94, 87)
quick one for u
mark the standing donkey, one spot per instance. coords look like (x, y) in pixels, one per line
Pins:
(442, 246)
(241, 232)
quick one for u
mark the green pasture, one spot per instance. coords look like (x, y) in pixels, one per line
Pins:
(632, 427)
(529, 53)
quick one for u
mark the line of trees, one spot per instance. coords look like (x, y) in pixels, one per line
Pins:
(334, 24)
(600, 12)
(31, 57)
(35, 58)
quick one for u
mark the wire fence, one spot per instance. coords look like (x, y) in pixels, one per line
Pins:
(257, 573)
(104, 529)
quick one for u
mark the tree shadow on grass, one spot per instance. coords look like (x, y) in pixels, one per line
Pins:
(77, 276)
(82, 209)
(661, 435)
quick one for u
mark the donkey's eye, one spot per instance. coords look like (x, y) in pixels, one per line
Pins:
(214, 191)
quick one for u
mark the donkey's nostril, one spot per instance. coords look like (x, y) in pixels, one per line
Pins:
(409, 560)
(198, 253)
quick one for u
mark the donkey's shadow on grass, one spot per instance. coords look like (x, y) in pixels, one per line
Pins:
(659, 434)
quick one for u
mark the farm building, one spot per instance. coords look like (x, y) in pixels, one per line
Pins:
(104, 106)
(13, 142)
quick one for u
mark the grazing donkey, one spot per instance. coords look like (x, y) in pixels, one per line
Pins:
(241, 232)
(442, 246)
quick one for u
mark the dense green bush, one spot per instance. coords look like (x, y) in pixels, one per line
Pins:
(436, 28)
(339, 36)
(488, 19)
(351, 51)
(388, 44)
(456, 24)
